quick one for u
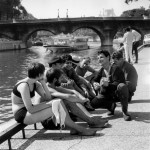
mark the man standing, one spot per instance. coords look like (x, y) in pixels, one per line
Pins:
(128, 42)
(136, 43)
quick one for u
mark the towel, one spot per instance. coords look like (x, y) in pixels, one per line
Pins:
(59, 113)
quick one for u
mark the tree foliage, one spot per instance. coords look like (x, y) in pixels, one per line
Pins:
(13, 9)
(127, 1)
(134, 12)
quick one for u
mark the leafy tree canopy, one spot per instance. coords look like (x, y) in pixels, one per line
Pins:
(136, 12)
(127, 1)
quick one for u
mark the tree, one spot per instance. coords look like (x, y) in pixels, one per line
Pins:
(127, 1)
(13, 9)
(134, 12)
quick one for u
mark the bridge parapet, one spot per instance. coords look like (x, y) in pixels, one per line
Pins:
(104, 27)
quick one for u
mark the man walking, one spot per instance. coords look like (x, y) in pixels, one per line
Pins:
(136, 43)
(128, 41)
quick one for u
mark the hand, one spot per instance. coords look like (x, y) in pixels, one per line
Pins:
(84, 100)
(42, 81)
(96, 85)
(104, 82)
(70, 82)
(86, 93)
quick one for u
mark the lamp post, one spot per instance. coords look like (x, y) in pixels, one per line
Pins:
(67, 14)
(13, 18)
(58, 14)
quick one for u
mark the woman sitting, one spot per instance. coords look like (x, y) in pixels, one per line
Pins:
(25, 112)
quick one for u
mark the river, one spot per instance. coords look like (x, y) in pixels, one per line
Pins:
(13, 65)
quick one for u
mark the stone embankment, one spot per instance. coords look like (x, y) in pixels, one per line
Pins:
(11, 45)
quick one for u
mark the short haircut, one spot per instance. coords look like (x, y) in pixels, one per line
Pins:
(105, 53)
(55, 60)
(117, 55)
(128, 29)
(121, 44)
(52, 74)
(35, 69)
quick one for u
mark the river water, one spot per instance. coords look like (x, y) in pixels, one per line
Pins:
(13, 65)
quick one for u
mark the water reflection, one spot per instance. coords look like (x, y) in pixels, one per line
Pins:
(13, 65)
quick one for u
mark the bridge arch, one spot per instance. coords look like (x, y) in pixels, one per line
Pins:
(105, 27)
(29, 34)
(96, 30)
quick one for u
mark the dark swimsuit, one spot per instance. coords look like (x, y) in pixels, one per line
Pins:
(21, 113)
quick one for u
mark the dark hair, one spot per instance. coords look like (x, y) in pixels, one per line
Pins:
(68, 57)
(104, 52)
(128, 29)
(117, 55)
(121, 44)
(52, 73)
(55, 60)
(35, 69)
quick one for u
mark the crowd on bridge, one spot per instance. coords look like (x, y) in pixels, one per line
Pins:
(63, 92)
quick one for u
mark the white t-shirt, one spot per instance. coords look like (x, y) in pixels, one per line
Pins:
(128, 38)
(137, 35)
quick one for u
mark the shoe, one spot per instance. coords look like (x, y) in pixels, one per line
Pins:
(101, 124)
(127, 117)
(136, 62)
(111, 112)
(88, 106)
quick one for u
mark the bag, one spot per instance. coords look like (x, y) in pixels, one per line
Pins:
(48, 124)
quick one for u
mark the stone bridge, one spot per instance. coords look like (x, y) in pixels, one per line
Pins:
(105, 27)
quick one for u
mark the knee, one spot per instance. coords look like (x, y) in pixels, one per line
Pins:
(122, 86)
(123, 89)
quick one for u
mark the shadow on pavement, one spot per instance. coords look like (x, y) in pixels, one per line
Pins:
(141, 116)
(140, 101)
(56, 135)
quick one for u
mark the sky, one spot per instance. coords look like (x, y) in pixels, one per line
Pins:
(45, 9)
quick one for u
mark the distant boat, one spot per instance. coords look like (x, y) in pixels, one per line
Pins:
(80, 43)
(68, 44)
(38, 43)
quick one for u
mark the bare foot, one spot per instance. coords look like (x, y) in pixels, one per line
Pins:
(74, 132)
(98, 122)
(88, 132)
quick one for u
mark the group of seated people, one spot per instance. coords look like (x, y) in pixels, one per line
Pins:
(64, 91)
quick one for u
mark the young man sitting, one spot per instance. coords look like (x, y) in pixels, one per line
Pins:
(72, 99)
(82, 83)
(57, 63)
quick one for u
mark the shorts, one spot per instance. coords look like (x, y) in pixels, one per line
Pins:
(20, 115)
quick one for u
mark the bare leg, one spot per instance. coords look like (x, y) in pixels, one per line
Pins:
(80, 111)
(78, 128)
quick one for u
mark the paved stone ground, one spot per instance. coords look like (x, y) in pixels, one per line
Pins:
(121, 135)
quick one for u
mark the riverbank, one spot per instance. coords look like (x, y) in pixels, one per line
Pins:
(121, 135)
(11, 45)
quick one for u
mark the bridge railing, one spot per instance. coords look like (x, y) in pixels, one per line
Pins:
(69, 19)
